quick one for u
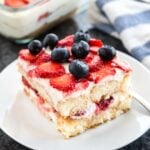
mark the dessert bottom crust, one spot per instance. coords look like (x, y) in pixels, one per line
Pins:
(71, 127)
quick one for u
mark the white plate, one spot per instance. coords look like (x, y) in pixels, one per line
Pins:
(21, 120)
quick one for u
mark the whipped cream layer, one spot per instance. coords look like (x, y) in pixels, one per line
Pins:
(66, 104)
(57, 95)
(91, 110)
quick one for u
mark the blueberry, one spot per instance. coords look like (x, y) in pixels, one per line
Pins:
(50, 40)
(35, 47)
(107, 52)
(81, 49)
(84, 36)
(60, 54)
(79, 69)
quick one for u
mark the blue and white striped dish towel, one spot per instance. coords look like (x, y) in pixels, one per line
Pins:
(128, 20)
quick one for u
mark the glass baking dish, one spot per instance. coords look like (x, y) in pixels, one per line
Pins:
(24, 23)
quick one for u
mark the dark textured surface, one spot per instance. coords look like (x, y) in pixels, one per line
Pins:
(8, 53)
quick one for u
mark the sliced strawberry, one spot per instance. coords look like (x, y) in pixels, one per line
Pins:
(25, 54)
(42, 57)
(82, 84)
(94, 49)
(95, 42)
(95, 45)
(50, 69)
(94, 62)
(63, 83)
(103, 72)
(68, 41)
(15, 3)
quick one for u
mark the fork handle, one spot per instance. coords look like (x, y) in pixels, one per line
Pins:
(141, 100)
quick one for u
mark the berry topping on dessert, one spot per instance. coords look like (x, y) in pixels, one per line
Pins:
(26, 55)
(95, 42)
(107, 52)
(81, 36)
(67, 41)
(103, 72)
(50, 69)
(95, 45)
(79, 69)
(42, 57)
(35, 47)
(90, 61)
(60, 54)
(65, 82)
(50, 40)
(94, 62)
(80, 50)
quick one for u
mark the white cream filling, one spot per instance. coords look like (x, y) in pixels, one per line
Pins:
(89, 111)
(57, 95)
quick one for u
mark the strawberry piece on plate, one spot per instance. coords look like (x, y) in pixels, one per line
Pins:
(63, 83)
(50, 69)
(26, 55)
(103, 72)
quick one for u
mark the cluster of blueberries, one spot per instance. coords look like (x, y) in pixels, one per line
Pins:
(80, 50)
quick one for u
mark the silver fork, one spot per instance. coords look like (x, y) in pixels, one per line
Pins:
(141, 100)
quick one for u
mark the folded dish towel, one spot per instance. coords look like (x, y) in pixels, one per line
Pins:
(128, 20)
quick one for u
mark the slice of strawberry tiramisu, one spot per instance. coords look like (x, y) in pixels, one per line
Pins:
(78, 82)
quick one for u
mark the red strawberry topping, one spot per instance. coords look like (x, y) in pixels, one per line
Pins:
(42, 57)
(25, 54)
(95, 45)
(50, 69)
(94, 62)
(103, 72)
(37, 59)
(68, 41)
(95, 42)
(94, 50)
(63, 83)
